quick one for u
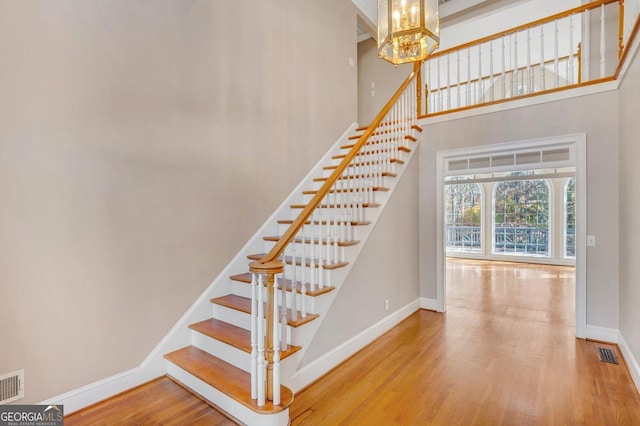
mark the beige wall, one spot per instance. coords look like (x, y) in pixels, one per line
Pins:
(630, 208)
(386, 78)
(597, 116)
(138, 138)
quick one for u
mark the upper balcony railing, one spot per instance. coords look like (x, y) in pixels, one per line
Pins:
(580, 46)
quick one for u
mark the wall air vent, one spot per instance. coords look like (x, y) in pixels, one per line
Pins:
(11, 387)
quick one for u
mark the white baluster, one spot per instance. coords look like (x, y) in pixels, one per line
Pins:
(294, 281)
(283, 308)
(312, 265)
(303, 257)
(254, 337)
(320, 253)
(303, 299)
(261, 381)
(458, 81)
(276, 349)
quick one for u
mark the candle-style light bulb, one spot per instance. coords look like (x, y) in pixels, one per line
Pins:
(396, 16)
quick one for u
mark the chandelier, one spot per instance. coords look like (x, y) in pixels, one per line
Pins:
(408, 30)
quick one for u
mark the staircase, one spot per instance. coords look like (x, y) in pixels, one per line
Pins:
(219, 360)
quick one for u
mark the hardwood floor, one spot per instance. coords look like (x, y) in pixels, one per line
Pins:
(159, 402)
(503, 354)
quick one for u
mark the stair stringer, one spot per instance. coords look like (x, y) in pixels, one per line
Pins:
(290, 367)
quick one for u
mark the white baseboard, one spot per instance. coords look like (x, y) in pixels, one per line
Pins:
(321, 366)
(602, 334)
(100, 390)
(632, 362)
(429, 304)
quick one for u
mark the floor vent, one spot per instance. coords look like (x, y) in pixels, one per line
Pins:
(607, 355)
(11, 387)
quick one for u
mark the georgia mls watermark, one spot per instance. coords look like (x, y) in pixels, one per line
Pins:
(31, 415)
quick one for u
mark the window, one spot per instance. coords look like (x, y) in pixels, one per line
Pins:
(570, 218)
(521, 217)
(464, 217)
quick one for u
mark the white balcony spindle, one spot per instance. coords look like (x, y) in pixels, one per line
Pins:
(448, 82)
(439, 85)
(542, 67)
(603, 59)
(504, 69)
(468, 99)
(556, 57)
(570, 77)
(529, 75)
(480, 79)
(491, 73)
(458, 80)
(514, 68)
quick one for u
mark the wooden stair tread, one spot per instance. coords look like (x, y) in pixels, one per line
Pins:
(246, 278)
(315, 241)
(324, 222)
(232, 335)
(288, 260)
(228, 379)
(242, 304)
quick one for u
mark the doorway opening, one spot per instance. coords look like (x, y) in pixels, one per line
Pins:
(517, 202)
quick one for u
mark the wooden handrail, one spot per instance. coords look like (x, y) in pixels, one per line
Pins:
(566, 13)
(297, 224)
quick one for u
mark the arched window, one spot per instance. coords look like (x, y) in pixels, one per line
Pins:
(464, 217)
(570, 218)
(521, 218)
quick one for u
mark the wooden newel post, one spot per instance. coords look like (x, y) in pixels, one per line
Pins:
(269, 269)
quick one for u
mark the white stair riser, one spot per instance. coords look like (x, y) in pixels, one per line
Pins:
(227, 404)
(232, 316)
(227, 353)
